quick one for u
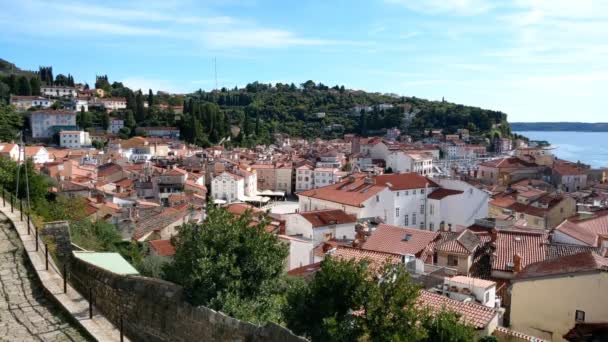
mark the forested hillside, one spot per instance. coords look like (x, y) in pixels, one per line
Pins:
(254, 113)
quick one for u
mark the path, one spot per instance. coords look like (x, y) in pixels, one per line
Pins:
(25, 312)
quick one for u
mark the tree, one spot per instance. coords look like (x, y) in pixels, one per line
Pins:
(10, 123)
(130, 120)
(124, 133)
(150, 99)
(226, 262)
(23, 86)
(105, 120)
(35, 85)
(446, 326)
(351, 300)
(140, 112)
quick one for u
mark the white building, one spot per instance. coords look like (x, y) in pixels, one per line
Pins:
(399, 199)
(116, 125)
(304, 178)
(114, 103)
(455, 203)
(324, 176)
(454, 149)
(26, 102)
(228, 187)
(80, 103)
(321, 225)
(402, 161)
(38, 154)
(43, 121)
(9, 150)
(58, 91)
(74, 139)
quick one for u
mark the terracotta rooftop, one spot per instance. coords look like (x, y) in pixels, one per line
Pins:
(586, 230)
(566, 265)
(399, 240)
(321, 218)
(162, 247)
(510, 162)
(377, 259)
(477, 315)
(443, 193)
(465, 243)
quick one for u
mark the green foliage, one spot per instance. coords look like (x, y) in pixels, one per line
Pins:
(35, 85)
(445, 326)
(95, 236)
(351, 301)
(62, 208)
(11, 123)
(229, 265)
(488, 339)
(23, 86)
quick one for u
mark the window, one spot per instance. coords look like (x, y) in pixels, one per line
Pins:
(397, 212)
(414, 219)
(432, 209)
(561, 210)
(432, 226)
(406, 192)
(452, 260)
(397, 193)
(407, 221)
(422, 208)
(421, 225)
(579, 316)
(487, 297)
(414, 192)
(377, 198)
(422, 191)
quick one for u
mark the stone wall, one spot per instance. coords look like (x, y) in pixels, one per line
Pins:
(155, 310)
(58, 234)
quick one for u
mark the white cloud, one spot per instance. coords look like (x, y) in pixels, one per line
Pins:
(455, 7)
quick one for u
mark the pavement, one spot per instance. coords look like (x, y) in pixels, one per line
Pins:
(25, 312)
(38, 283)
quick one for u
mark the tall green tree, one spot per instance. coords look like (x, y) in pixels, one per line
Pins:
(23, 86)
(35, 85)
(11, 123)
(230, 265)
(140, 111)
(150, 99)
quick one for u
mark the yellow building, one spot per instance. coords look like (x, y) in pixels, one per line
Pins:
(549, 297)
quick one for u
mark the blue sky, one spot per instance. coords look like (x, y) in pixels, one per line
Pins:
(537, 60)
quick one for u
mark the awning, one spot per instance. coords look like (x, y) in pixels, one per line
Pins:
(260, 199)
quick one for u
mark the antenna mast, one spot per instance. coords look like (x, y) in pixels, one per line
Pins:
(215, 67)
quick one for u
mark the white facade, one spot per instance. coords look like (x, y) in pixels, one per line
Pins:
(324, 177)
(116, 125)
(457, 209)
(42, 122)
(26, 102)
(296, 224)
(114, 103)
(304, 178)
(78, 104)
(74, 139)
(228, 187)
(58, 91)
(301, 251)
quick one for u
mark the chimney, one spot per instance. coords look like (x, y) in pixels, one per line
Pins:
(449, 227)
(494, 235)
(517, 263)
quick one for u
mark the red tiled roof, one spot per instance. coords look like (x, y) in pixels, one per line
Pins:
(162, 247)
(586, 230)
(576, 263)
(477, 315)
(511, 162)
(442, 193)
(377, 259)
(405, 181)
(346, 192)
(320, 218)
(390, 239)
(305, 271)
(465, 243)
(530, 245)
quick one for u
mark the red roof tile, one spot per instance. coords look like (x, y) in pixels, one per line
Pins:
(477, 315)
(392, 239)
(162, 247)
(443, 193)
(321, 218)
(586, 230)
(576, 263)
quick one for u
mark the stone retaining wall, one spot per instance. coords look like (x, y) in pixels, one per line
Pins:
(155, 310)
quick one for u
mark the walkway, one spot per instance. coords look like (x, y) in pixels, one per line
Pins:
(39, 279)
(25, 312)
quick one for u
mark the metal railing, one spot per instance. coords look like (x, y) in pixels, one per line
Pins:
(42, 248)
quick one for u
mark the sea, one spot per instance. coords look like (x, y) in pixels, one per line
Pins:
(587, 147)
